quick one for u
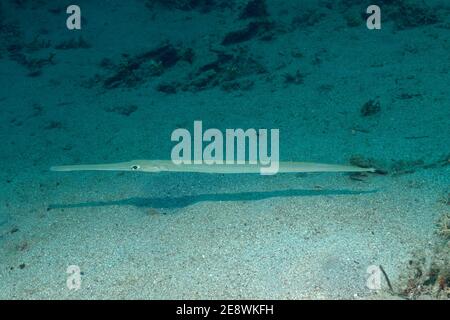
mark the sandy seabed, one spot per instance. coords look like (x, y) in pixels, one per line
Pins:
(190, 236)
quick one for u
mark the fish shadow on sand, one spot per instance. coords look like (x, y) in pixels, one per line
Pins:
(184, 201)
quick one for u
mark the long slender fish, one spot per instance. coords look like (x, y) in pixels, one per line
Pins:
(167, 165)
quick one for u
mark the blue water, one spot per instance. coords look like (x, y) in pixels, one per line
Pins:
(117, 89)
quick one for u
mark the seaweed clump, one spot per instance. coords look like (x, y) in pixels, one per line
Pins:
(430, 278)
(261, 29)
(407, 15)
(370, 108)
(136, 69)
(169, 88)
(18, 50)
(33, 65)
(396, 167)
(254, 9)
(229, 72)
(444, 226)
(296, 78)
(445, 199)
(365, 162)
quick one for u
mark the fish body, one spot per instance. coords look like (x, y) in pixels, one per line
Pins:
(154, 166)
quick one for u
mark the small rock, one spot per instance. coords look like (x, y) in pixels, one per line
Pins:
(370, 108)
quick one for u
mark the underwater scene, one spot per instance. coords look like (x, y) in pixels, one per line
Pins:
(225, 149)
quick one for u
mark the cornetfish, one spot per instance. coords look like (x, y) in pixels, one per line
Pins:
(154, 166)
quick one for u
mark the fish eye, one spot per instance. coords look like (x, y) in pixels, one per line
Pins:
(135, 167)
